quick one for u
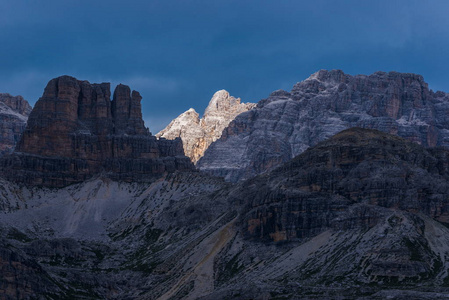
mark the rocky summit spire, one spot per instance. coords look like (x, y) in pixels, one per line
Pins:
(127, 111)
(75, 131)
(197, 134)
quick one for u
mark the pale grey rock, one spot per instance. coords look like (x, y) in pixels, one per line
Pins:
(287, 123)
(197, 134)
(103, 239)
(14, 112)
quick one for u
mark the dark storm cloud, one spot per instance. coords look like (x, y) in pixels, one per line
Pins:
(178, 53)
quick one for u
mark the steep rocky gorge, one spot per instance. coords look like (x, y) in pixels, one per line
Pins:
(287, 123)
(76, 131)
(197, 134)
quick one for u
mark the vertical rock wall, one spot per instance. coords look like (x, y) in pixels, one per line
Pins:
(75, 131)
(287, 123)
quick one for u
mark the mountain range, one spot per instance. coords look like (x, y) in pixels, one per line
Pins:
(287, 123)
(338, 189)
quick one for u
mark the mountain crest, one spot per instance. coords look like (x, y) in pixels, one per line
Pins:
(197, 134)
(14, 111)
(328, 76)
(76, 131)
(16, 103)
(286, 124)
(221, 102)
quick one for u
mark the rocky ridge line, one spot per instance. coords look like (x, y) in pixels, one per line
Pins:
(76, 131)
(197, 134)
(287, 123)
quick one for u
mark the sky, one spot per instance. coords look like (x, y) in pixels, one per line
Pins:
(177, 54)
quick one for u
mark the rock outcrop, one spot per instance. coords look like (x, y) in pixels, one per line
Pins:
(341, 182)
(101, 238)
(75, 131)
(287, 123)
(362, 215)
(361, 209)
(14, 111)
(197, 134)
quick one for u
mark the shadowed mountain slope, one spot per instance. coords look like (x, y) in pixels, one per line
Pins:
(359, 216)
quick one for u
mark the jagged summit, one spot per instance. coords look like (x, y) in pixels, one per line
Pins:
(16, 103)
(338, 76)
(197, 134)
(326, 75)
(14, 111)
(69, 106)
(221, 102)
(76, 131)
(287, 123)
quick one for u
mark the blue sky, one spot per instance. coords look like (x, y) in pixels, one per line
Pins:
(178, 53)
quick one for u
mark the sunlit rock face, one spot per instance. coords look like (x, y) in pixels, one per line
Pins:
(75, 131)
(198, 133)
(14, 112)
(287, 123)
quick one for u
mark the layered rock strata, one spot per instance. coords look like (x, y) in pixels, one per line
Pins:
(341, 183)
(287, 123)
(198, 133)
(14, 111)
(75, 131)
(362, 215)
(355, 213)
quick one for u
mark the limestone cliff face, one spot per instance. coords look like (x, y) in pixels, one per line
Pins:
(75, 131)
(197, 134)
(341, 183)
(14, 111)
(287, 123)
(363, 203)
